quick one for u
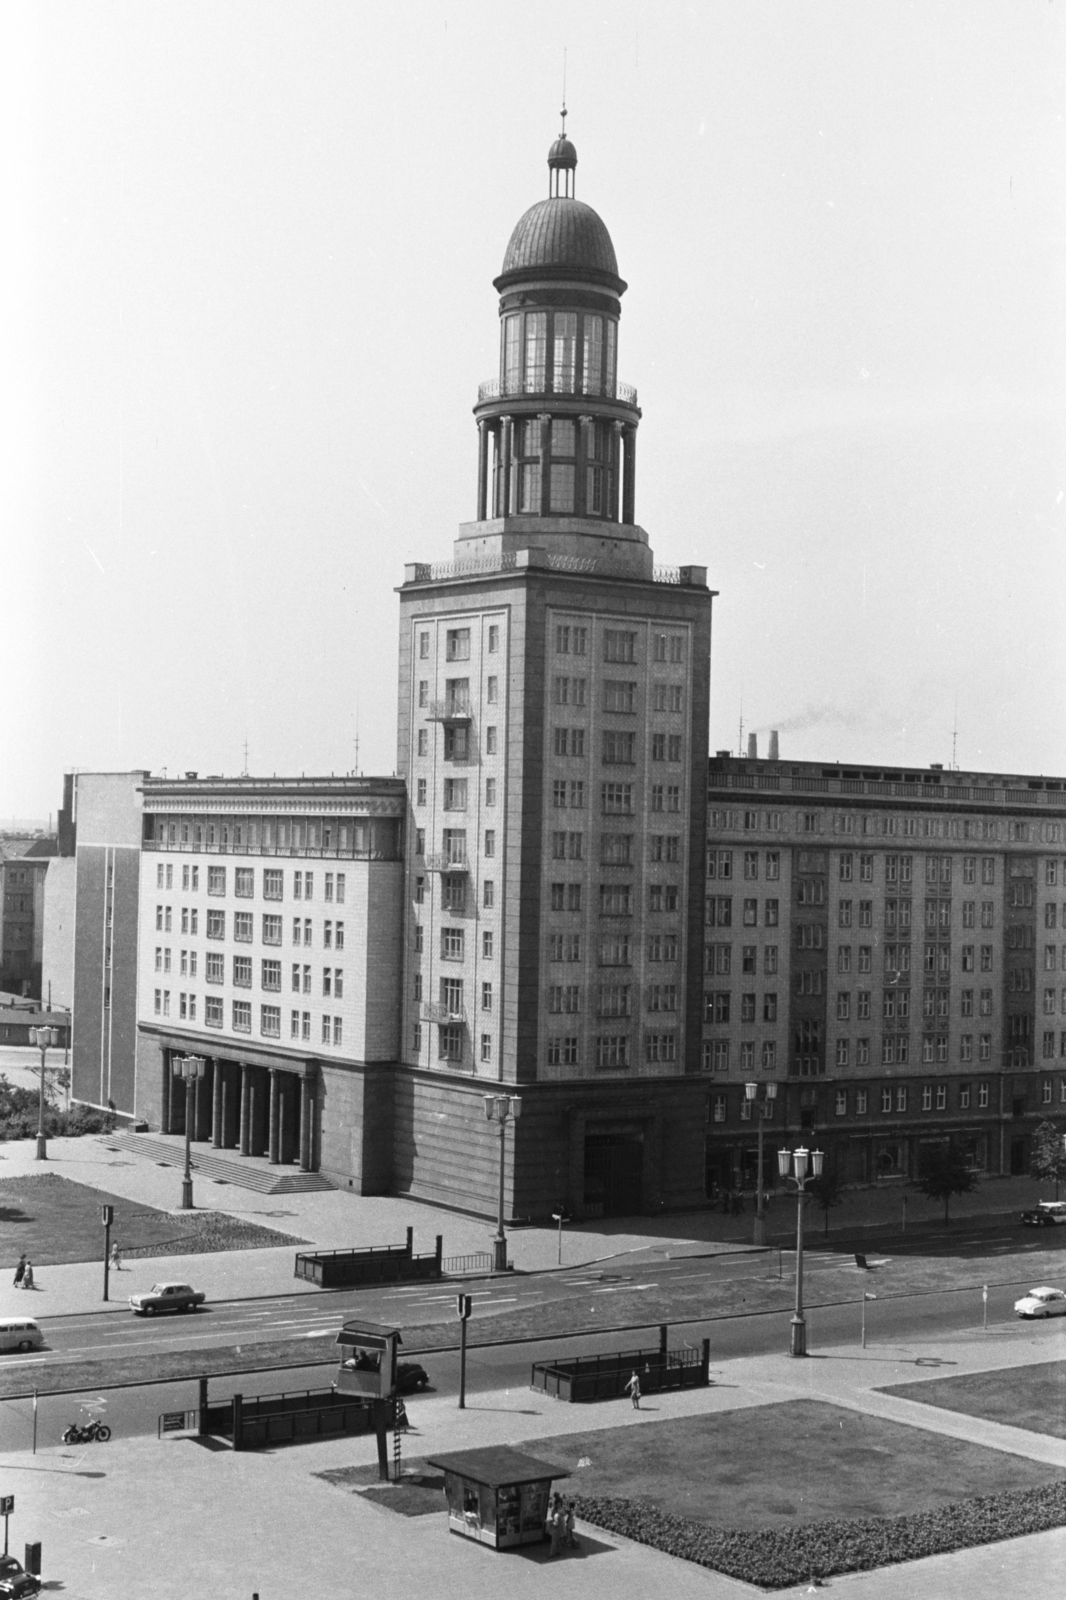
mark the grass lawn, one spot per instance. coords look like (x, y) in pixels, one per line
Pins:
(775, 1465)
(779, 1494)
(54, 1221)
(1032, 1397)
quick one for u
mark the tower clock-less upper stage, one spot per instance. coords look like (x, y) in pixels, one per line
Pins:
(557, 427)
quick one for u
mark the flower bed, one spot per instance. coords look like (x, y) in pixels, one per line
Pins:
(776, 1558)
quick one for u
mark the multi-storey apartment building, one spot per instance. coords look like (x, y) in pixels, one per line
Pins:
(889, 946)
(553, 710)
(270, 939)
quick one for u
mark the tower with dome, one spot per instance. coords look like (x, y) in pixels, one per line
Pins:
(553, 716)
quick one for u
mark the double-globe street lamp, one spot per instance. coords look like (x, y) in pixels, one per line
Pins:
(499, 1108)
(799, 1167)
(191, 1068)
(44, 1039)
(764, 1106)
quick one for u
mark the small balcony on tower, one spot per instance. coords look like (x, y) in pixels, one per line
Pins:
(453, 708)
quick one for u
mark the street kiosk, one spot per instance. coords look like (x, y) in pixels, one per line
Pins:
(497, 1496)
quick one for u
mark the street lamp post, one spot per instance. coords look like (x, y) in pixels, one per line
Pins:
(792, 1165)
(190, 1068)
(43, 1038)
(764, 1105)
(498, 1108)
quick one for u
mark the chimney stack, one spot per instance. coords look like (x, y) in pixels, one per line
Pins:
(753, 747)
(773, 745)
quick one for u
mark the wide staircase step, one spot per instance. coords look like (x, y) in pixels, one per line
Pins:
(222, 1166)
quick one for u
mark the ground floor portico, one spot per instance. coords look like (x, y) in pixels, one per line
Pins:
(250, 1102)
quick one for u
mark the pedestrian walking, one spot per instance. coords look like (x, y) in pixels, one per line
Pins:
(20, 1270)
(633, 1390)
(116, 1258)
(27, 1276)
(571, 1536)
(556, 1525)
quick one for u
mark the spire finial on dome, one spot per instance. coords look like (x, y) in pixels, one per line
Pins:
(562, 159)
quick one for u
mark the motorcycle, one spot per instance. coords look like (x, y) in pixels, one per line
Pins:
(93, 1431)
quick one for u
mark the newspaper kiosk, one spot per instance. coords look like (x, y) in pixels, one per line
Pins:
(497, 1496)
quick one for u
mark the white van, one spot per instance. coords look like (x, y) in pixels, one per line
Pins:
(20, 1333)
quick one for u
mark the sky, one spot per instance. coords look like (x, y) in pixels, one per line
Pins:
(246, 300)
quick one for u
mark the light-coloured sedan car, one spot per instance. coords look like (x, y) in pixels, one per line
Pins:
(167, 1297)
(1041, 1303)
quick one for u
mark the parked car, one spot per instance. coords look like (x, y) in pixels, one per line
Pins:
(15, 1581)
(1041, 1303)
(166, 1297)
(1046, 1214)
(410, 1376)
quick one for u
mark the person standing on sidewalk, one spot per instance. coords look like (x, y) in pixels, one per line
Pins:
(20, 1270)
(633, 1390)
(556, 1525)
(116, 1258)
(27, 1276)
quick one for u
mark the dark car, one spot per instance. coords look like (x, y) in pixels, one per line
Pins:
(15, 1581)
(1046, 1214)
(410, 1376)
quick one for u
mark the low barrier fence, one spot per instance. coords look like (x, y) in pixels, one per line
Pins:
(607, 1377)
(269, 1419)
(337, 1269)
(462, 1266)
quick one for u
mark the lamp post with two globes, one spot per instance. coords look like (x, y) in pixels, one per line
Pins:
(190, 1068)
(44, 1039)
(765, 1104)
(799, 1167)
(500, 1108)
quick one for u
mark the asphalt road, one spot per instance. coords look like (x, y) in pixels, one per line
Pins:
(890, 1322)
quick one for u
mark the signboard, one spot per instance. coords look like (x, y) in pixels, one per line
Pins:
(7, 1505)
(462, 1306)
(107, 1215)
(172, 1422)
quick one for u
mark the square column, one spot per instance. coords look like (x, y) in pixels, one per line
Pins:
(216, 1103)
(307, 1103)
(274, 1135)
(246, 1107)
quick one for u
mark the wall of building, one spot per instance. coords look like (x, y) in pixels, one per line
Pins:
(57, 922)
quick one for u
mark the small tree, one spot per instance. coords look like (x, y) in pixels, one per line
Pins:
(947, 1172)
(827, 1192)
(1048, 1161)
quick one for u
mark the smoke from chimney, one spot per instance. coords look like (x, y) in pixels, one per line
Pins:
(774, 753)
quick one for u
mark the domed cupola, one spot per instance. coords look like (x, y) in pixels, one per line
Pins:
(558, 430)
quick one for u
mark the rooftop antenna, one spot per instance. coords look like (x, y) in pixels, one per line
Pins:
(244, 772)
(355, 774)
(740, 734)
(562, 130)
(955, 735)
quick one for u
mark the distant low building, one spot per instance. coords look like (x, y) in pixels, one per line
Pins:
(23, 866)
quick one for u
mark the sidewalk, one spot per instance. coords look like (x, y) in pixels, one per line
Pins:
(134, 1517)
(331, 1220)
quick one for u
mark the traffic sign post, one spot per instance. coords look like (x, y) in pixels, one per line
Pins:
(7, 1506)
(463, 1307)
(107, 1217)
(984, 1306)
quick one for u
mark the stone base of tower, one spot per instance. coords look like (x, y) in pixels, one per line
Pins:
(594, 1150)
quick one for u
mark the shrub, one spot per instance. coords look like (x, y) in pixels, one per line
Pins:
(776, 1558)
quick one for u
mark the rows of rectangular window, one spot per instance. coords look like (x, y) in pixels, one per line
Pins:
(488, 941)
(612, 1052)
(614, 949)
(616, 799)
(616, 899)
(894, 1100)
(242, 968)
(303, 883)
(895, 1003)
(618, 749)
(619, 644)
(616, 849)
(458, 741)
(734, 820)
(457, 695)
(451, 1043)
(243, 926)
(808, 1061)
(612, 999)
(241, 1011)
